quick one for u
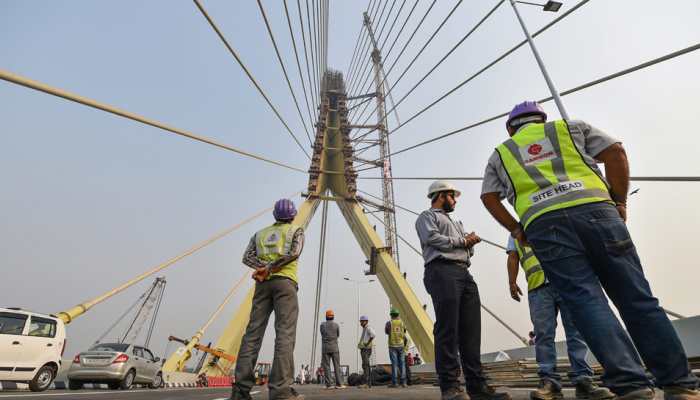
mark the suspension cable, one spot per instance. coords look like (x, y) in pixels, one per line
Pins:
(378, 22)
(353, 73)
(410, 38)
(312, 50)
(564, 93)
(284, 69)
(296, 56)
(22, 81)
(306, 57)
(452, 50)
(248, 73)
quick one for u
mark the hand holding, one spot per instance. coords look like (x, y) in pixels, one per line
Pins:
(261, 274)
(515, 291)
(471, 239)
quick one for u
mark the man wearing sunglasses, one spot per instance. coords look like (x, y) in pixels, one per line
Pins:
(447, 250)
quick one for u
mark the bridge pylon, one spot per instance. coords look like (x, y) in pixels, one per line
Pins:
(332, 177)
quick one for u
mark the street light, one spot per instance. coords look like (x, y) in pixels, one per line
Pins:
(552, 6)
(357, 288)
(549, 6)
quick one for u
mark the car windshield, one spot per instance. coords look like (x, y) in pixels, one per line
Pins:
(121, 347)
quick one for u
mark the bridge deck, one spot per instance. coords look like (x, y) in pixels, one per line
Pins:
(312, 392)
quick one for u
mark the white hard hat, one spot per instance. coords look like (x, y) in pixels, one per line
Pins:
(442, 186)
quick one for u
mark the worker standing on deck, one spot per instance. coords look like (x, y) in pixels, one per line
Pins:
(365, 347)
(545, 303)
(330, 332)
(396, 330)
(574, 219)
(447, 250)
(273, 253)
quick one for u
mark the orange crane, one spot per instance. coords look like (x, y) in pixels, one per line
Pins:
(206, 349)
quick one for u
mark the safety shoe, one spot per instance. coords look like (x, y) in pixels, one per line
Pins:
(363, 386)
(295, 395)
(403, 385)
(340, 386)
(646, 393)
(547, 390)
(680, 393)
(393, 386)
(238, 394)
(586, 389)
(454, 394)
(486, 392)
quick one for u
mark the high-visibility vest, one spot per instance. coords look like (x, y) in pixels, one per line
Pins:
(531, 265)
(274, 242)
(396, 333)
(547, 171)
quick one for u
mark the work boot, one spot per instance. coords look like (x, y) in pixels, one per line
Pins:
(645, 393)
(547, 390)
(680, 393)
(238, 394)
(486, 392)
(454, 394)
(393, 386)
(403, 385)
(341, 386)
(295, 395)
(586, 389)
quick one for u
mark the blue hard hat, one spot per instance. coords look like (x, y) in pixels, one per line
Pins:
(364, 318)
(284, 210)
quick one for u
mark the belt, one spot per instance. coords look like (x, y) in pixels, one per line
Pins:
(441, 259)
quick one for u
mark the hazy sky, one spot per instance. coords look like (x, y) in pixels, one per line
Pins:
(90, 200)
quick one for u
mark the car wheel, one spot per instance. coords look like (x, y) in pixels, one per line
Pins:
(157, 382)
(43, 379)
(74, 385)
(128, 380)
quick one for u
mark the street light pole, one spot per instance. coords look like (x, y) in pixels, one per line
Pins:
(547, 78)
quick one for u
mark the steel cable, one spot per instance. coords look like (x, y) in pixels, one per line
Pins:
(284, 69)
(249, 74)
(301, 75)
(314, 99)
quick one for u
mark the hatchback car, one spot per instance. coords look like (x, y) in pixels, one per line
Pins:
(119, 365)
(31, 346)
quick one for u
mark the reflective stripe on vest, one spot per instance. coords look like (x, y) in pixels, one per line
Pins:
(274, 242)
(531, 265)
(547, 171)
(396, 334)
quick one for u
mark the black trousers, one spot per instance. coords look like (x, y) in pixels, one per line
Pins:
(457, 328)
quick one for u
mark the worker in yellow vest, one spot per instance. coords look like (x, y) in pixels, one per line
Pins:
(273, 253)
(545, 303)
(574, 219)
(396, 330)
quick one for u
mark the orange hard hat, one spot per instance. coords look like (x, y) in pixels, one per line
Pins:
(329, 314)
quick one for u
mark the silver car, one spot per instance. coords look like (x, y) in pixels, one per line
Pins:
(120, 365)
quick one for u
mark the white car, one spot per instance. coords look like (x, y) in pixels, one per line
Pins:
(31, 346)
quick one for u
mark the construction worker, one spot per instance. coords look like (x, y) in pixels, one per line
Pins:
(447, 251)
(396, 330)
(330, 332)
(545, 303)
(365, 347)
(273, 253)
(574, 219)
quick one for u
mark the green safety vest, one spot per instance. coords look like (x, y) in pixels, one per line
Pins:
(547, 171)
(397, 333)
(531, 265)
(274, 242)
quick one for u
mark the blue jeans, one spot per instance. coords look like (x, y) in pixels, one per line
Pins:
(545, 304)
(585, 250)
(398, 365)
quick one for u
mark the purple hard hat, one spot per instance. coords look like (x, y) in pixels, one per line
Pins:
(284, 210)
(364, 318)
(525, 109)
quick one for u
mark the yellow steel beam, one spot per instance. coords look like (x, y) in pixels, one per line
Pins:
(177, 361)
